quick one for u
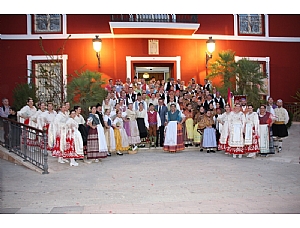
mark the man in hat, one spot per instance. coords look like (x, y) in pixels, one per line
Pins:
(279, 126)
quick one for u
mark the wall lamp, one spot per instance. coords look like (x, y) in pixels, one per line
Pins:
(210, 45)
(97, 44)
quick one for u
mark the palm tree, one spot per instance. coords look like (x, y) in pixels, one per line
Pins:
(224, 67)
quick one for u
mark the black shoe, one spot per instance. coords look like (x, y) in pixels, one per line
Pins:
(186, 145)
(201, 149)
(212, 151)
(207, 151)
(108, 154)
(119, 153)
(196, 145)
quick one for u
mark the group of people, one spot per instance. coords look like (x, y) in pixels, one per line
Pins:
(170, 115)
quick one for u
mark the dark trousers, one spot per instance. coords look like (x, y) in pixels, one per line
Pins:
(161, 133)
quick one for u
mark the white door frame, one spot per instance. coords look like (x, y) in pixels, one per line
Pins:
(129, 60)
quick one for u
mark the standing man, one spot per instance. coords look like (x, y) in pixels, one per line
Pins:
(109, 86)
(162, 111)
(279, 127)
(4, 112)
(4, 109)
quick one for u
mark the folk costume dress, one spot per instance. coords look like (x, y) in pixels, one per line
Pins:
(279, 126)
(266, 144)
(83, 130)
(109, 135)
(39, 124)
(96, 142)
(197, 137)
(25, 116)
(132, 130)
(142, 122)
(121, 137)
(57, 134)
(47, 118)
(174, 135)
(74, 142)
(224, 130)
(236, 124)
(209, 134)
(188, 126)
(251, 133)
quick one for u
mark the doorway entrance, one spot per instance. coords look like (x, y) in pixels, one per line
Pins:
(161, 67)
(159, 71)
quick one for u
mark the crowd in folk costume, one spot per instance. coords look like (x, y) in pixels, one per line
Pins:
(169, 115)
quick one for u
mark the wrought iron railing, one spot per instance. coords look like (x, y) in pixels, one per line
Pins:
(175, 18)
(27, 142)
(293, 107)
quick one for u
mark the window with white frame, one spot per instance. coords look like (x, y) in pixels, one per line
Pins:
(49, 78)
(250, 24)
(47, 23)
(48, 82)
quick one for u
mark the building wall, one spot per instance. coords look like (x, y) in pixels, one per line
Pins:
(284, 67)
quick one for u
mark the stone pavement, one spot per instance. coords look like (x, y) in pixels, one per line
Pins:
(156, 182)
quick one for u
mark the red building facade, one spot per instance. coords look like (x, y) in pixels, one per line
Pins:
(181, 46)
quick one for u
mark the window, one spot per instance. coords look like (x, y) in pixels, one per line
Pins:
(49, 82)
(47, 23)
(250, 24)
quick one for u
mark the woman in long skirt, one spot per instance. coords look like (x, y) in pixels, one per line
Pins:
(209, 133)
(197, 135)
(96, 143)
(266, 144)
(174, 136)
(223, 120)
(74, 142)
(57, 134)
(188, 126)
(121, 137)
(109, 133)
(133, 133)
(25, 116)
(142, 123)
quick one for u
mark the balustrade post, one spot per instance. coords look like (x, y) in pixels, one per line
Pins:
(9, 137)
(45, 152)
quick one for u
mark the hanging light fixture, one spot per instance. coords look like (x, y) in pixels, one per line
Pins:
(145, 75)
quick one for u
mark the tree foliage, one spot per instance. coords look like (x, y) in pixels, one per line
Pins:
(84, 89)
(250, 81)
(22, 92)
(243, 77)
(225, 68)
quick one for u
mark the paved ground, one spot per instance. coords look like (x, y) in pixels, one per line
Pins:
(156, 182)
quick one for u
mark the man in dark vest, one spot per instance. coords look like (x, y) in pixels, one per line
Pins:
(162, 111)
